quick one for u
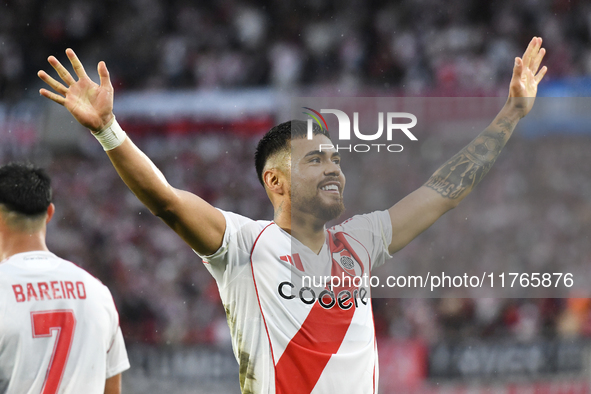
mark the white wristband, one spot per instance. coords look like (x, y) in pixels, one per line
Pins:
(111, 136)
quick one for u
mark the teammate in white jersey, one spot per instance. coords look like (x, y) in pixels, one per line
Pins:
(288, 337)
(59, 329)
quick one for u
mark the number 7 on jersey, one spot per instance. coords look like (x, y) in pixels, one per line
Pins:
(64, 323)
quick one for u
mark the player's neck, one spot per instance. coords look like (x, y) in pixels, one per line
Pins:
(312, 239)
(11, 244)
(305, 227)
(309, 231)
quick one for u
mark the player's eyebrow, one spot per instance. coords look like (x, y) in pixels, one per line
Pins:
(322, 153)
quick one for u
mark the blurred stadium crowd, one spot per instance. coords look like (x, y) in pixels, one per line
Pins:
(414, 46)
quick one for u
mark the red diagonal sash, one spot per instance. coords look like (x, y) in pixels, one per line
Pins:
(319, 337)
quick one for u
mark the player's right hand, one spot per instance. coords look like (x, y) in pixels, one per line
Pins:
(90, 104)
(526, 76)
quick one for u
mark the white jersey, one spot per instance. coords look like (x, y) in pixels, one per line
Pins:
(291, 336)
(59, 329)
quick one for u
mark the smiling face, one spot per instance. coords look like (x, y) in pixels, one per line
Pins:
(317, 182)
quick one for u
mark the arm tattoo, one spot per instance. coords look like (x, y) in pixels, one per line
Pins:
(467, 168)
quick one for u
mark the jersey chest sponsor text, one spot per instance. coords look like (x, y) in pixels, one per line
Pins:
(345, 299)
(348, 264)
(52, 290)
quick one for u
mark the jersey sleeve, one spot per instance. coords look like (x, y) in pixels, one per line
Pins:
(4, 295)
(374, 230)
(234, 254)
(117, 360)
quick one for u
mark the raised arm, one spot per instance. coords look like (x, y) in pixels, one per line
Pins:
(459, 175)
(197, 222)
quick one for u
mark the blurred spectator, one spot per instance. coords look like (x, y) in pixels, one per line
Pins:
(410, 46)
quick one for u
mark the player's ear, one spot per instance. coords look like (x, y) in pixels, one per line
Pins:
(274, 181)
(50, 212)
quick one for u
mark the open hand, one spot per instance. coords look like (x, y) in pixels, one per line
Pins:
(526, 77)
(90, 104)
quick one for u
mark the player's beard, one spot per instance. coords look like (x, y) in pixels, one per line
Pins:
(315, 205)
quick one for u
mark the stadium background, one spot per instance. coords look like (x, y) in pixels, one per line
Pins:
(196, 85)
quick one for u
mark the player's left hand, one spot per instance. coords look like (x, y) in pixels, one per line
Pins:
(527, 75)
(91, 104)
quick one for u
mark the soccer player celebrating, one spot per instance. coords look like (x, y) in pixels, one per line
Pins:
(290, 338)
(59, 329)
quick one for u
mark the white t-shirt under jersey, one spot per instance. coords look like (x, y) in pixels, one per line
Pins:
(59, 329)
(290, 337)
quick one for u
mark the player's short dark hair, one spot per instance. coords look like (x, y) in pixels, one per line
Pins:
(278, 138)
(25, 189)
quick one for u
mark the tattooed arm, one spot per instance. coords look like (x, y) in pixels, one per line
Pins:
(460, 174)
